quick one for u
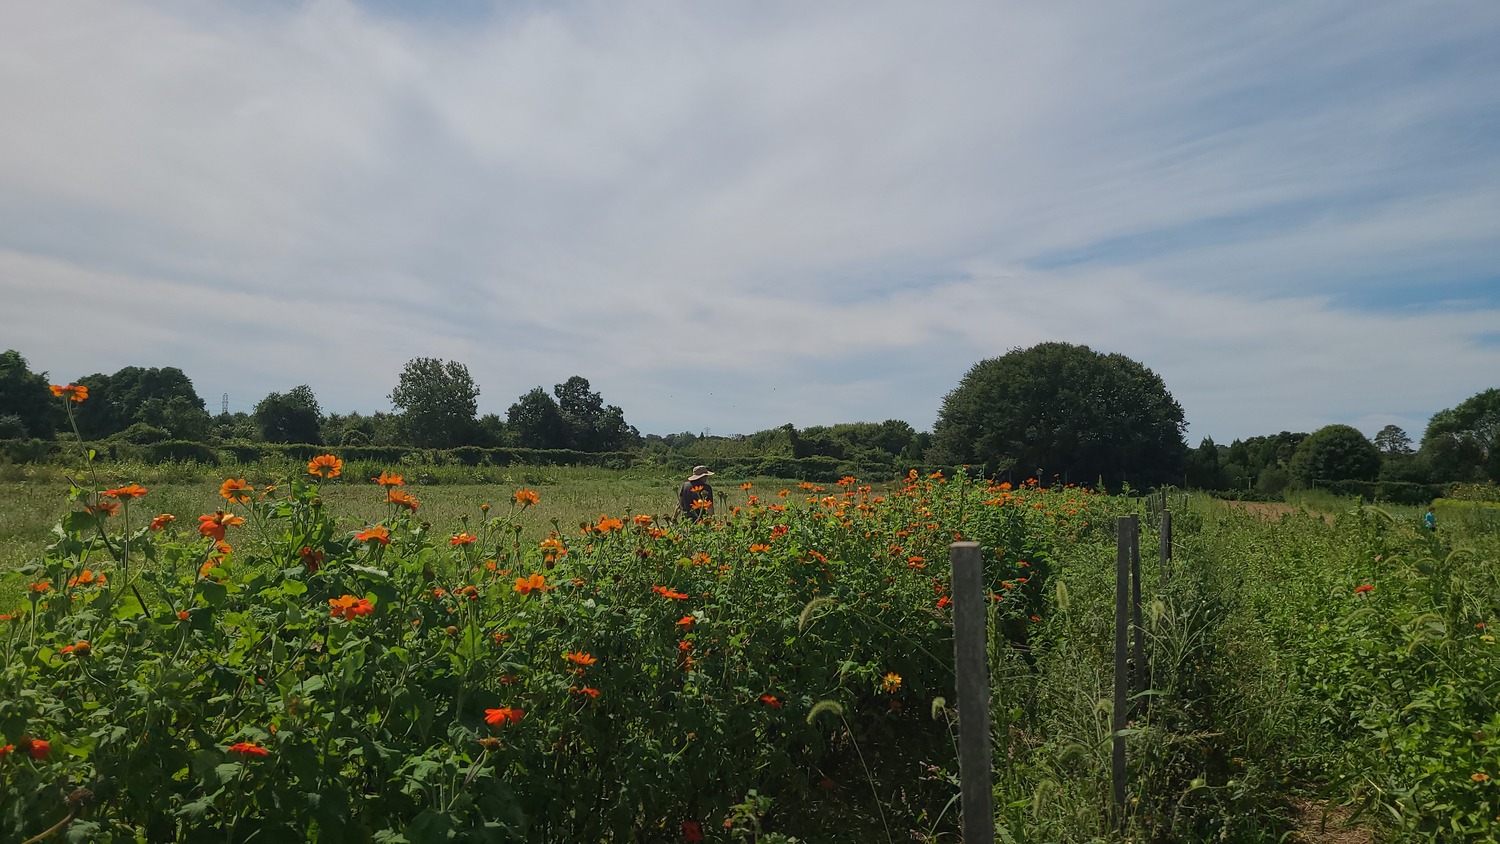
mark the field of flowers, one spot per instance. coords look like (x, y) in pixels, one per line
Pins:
(781, 671)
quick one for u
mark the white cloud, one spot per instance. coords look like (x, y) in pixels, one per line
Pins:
(815, 214)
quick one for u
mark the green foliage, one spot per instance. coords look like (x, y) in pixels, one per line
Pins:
(161, 398)
(535, 421)
(1334, 453)
(1463, 443)
(1064, 410)
(438, 402)
(25, 399)
(290, 417)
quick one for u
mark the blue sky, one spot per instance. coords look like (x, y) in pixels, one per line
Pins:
(732, 216)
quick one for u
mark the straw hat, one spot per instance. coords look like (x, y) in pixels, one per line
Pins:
(699, 472)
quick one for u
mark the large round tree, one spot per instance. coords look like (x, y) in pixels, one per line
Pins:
(1066, 410)
(1334, 453)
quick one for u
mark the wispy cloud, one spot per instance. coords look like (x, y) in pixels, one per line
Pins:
(729, 217)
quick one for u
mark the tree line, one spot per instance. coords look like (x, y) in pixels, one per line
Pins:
(1054, 411)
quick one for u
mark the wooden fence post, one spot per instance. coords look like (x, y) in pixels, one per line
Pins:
(1122, 665)
(1165, 544)
(1137, 628)
(971, 668)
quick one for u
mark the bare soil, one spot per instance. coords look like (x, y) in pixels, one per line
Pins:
(1320, 823)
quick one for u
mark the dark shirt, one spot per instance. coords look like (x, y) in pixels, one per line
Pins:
(698, 490)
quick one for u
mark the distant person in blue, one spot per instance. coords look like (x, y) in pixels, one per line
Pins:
(1429, 521)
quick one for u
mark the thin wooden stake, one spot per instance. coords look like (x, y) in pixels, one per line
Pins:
(1166, 544)
(1122, 664)
(971, 666)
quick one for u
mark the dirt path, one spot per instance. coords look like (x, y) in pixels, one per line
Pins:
(1319, 823)
(1272, 510)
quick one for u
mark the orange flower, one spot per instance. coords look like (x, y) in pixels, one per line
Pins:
(85, 578)
(349, 606)
(746, 485)
(463, 539)
(586, 690)
(375, 533)
(580, 658)
(643, 520)
(685, 622)
(325, 466)
(944, 601)
(126, 493)
(771, 701)
(215, 524)
(182, 615)
(1362, 588)
(311, 560)
(759, 547)
(81, 647)
(552, 548)
(701, 504)
(692, 832)
(104, 508)
(386, 479)
(891, 681)
(502, 716)
(667, 592)
(248, 748)
(76, 392)
(39, 749)
(525, 497)
(536, 582)
(401, 499)
(606, 524)
(162, 521)
(236, 489)
(1479, 776)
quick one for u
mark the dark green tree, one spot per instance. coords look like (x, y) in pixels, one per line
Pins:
(1463, 443)
(1392, 440)
(1067, 410)
(159, 397)
(535, 421)
(290, 417)
(24, 396)
(1334, 453)
(592, 426)
(1204, 469)
(438, 403)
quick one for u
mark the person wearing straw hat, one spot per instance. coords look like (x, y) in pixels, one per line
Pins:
(696, 489)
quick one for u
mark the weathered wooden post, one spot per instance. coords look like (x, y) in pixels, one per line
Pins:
(971, 667)
(1165, 541)
(1138, 630)
(1122, 662)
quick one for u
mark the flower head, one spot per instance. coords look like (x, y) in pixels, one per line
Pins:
(325, 466)
(103, 508)
(214, 524)
(502, 716)
(891, 682)
(126, 493)
(39, 749)
(81, 647)
(1363, 588)
(463, 539)
(162, 521)
(536, 582)
(387, 479)
(75, 392)
(585, 690)
(375, 533)
(552, 548)
(248, 748)
(402, 499)
(349, 606)
(771, 701)
(237, 490)
(667, 592)
(580, 658)
(525, 497)
(606, 524)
